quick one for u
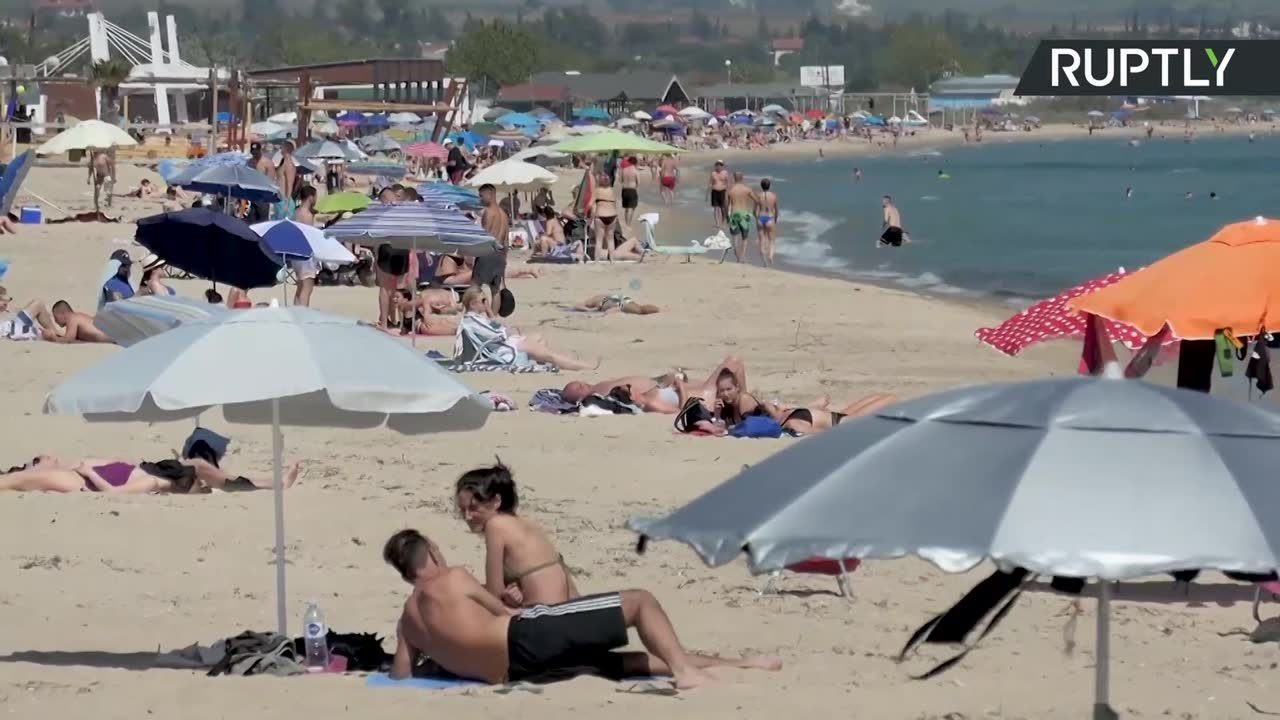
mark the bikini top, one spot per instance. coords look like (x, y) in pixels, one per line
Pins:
(511, 578)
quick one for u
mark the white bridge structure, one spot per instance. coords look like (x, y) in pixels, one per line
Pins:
(154, 70)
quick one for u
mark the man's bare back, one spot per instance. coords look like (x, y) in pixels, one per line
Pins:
(719, 179)
(741, 198)
(494, 220)
(630, 178)
(79, 329)
(446, 620)
(668, 166)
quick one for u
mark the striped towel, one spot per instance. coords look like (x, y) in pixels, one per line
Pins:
(488, 366)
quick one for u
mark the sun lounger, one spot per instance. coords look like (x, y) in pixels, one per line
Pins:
(1271, 586)
(818, 566)
(649, 242)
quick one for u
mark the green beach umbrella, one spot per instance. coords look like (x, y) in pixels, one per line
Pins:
(342, 202)
(604, 142)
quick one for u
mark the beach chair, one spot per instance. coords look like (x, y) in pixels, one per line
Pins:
(840, 569)
(481, 347)
(1272, 587)
(649, 242)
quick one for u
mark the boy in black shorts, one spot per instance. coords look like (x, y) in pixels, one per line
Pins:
(467, 631)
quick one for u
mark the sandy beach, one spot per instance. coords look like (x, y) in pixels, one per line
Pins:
(92, 585)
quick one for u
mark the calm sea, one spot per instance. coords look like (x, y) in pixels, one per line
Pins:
(1016, 220)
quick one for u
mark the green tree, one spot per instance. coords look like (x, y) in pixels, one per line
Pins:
(438, 26)
(918, 55)
(762, 30)
(700, 26)
(496, 51)
(107, 76)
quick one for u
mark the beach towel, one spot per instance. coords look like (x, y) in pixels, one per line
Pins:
(551, 400)
(449, 682)
(617, 402)
(454, 365)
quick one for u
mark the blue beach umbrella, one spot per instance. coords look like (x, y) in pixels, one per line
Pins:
(417, 226)
(591, 113)
(442, 193)
(237, 181)
(376, 121)
(521, 121)
(210, 245)
(377, 169)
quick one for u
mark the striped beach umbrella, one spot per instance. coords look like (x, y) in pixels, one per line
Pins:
(443, 193)
(417, 226)
(128, 322)
(427, 150)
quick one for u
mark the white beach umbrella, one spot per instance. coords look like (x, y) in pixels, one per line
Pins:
(324, 127)
(88, 134)
(323, 248)
(513, 176)
(274, 366)
(694, 112)
(404, 117)
(626, 123)
(266, 128)
(284, 118)
(641, 115)
(129, 322)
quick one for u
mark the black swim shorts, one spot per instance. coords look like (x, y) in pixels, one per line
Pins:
(630, 198)
(892, 236)
(718, 198)
(490, 270)
(580, 633)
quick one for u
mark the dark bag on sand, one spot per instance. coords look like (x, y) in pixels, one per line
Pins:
(691, 414)
(506, 302)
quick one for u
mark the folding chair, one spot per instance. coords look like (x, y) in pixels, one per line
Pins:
(841, 569)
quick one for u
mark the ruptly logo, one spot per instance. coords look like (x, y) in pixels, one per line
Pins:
(1191, 67)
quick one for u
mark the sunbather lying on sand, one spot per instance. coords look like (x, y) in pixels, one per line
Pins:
(77, 327)
(609, 303)
(664, 394)
(522, 567)
(451, 618)
(47, 474)
(733, 404)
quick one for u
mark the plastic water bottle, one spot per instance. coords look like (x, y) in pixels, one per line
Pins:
(315, 635)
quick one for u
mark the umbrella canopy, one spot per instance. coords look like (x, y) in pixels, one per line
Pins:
(541, 112)
(641, 115)
(1227, 281)
(591, 113)
(613, 140)
(85, 135)
(519, 120)
(668, 109)
(494, 113)
(404, 118)
(513, 175)
(324, 127)
(427, 150)
(377, 168)
(421, 226)
(284, 237)
(266, 128)
(506, 136)
(693, 112)
(1051, 319)
(237, 181)
(284, 118)
(380, 143)
(1096, 113)
(485, 128)
(350, 119)
(325, 150)
(443, 193)
(626, 123)
(277, 366)
(343, 202)
(1081, 477)
(129, 322)
(211, 245)
(774, 110)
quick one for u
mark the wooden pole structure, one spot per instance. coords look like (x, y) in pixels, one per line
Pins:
(213, 111)
(304, 115)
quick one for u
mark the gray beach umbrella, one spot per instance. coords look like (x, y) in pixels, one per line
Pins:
(1077, 477)
(274, 366)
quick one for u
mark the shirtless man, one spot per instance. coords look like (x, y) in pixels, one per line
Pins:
(426, 310)
(767, 213)
(664, 394)
(305, 270)
(717, 187)
(260, 211)
(102, 173)
(892, 235)
(77, 327)
(741, 210)
(491, 269)
(287, 179)
(466, 630)
(668, 176)
(630, 189)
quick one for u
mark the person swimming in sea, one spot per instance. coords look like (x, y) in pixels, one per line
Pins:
(857, 174)
(943, 176)
(820, 155)
(1128, 192)
(1213, 195)
(1188, 196)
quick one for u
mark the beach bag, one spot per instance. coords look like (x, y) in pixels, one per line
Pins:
(757, 426)
(691, 414)
(506, 302)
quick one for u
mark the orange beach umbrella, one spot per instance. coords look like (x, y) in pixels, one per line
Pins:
(1229, 281)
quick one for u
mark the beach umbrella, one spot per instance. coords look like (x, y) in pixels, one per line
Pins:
(350, 119)
(1226, 282)
(279, 367)
(15, 173)
(353, 151)
(443, 193)
(377, 168)
(744, 112)
(322, 150)
(641, 115)
(506, 136)
(774, 110)
(404, 118)
(415, 226)
(666, 122)
(513, 176)
(378, 120)
(1051, 319)
(543, 154)
(85, 135)
(625, 123)
(210, 245)
(1081, 477)
(519, 120)
(284, 118)
(494, 113)
(666, 108)
(324, 127)
(693, 112)
(379, 143)
(427, 150)
(129, 322)
(614, 140)
(542, 113)
(237, 181)
(591, 113)
(485, 128)
(815, 114)
(266, 128)
(1095, 113)
(343, 202)
(281, 237)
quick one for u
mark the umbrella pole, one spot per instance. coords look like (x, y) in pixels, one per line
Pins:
(277, 442)
(413, 306)
(1102, 656)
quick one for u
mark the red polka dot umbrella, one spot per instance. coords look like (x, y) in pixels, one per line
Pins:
(1051, 320)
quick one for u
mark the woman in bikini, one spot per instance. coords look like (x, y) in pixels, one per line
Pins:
(604, 209)
(522, 567)
(819, 416)
(188, 476)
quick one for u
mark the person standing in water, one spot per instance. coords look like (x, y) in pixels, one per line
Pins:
(857, 174)
(717, 187)
(307, 270)
(767, 213)
(630, 190)
(741, 208)
(669, 173)
(102, 173)
(892, 235)
(287, 180)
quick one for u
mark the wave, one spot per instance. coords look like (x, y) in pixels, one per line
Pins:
(925, 152)
(801, 241)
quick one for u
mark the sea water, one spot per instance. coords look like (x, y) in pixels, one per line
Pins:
(1016, 220)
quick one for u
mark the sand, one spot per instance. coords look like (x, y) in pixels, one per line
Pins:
(92, 585)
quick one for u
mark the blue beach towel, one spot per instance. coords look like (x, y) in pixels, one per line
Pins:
(423, 683)
(756, 426)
